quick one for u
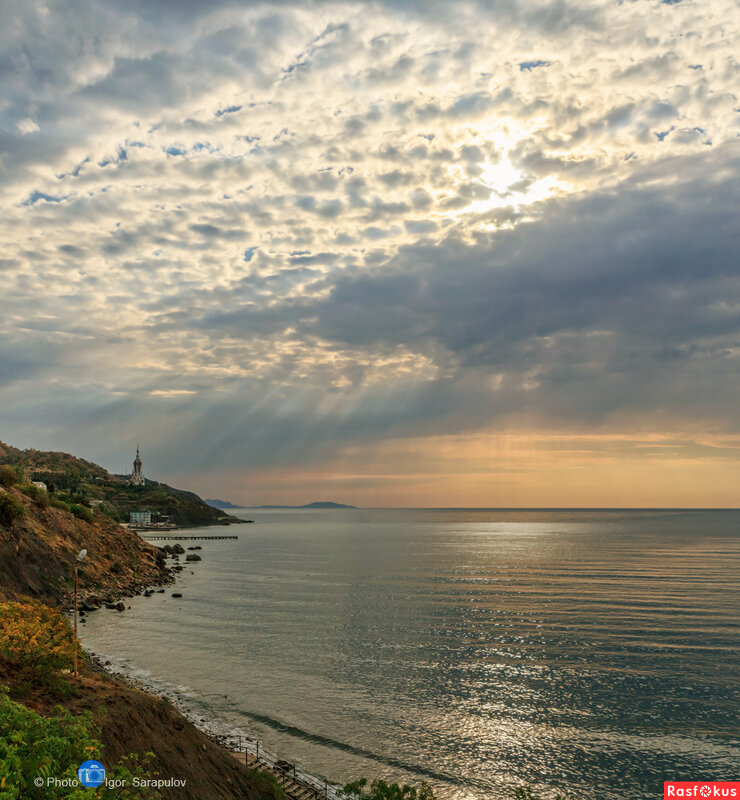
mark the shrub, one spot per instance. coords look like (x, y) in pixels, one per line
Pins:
(60, 504)
(10, 510)
(110, 511)
(32, 747)
(35, 637)
(8, 476)
(81, 512)
(380, 790)
(37, 494)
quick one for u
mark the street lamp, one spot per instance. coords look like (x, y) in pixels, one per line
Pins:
(80, 556)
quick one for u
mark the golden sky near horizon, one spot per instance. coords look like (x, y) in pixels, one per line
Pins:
(386, 254)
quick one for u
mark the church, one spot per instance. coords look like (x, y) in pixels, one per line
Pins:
(137, 476)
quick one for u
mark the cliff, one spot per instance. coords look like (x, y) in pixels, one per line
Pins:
(39, 545)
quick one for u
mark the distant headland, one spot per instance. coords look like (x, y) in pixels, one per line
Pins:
(222, 504)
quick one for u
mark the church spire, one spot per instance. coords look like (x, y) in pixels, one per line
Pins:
(137, 476)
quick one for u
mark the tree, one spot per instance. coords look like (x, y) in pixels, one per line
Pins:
(8, 476)
(10, 510)
(34, 748)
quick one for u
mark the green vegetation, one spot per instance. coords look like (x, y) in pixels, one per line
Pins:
(8, 476)
(60, 504)
(42, 745)
(37, 641)
(380, 790)
(34, 747)
(10, 510)
(81, 512)
(36, 493)
(165, 503)
(73, 483)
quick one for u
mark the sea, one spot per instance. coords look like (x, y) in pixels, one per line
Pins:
(594, 653)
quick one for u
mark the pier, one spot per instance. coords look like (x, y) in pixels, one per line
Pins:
(169, 536)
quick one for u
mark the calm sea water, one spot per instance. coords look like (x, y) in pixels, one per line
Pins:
(596, 652)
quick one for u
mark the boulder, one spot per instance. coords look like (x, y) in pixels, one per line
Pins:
(120, 606)
(176, 594)
(192, 557)
(195, 547)
(178, 548)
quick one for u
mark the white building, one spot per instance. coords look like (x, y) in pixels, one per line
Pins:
(141, 518)
(39, 485)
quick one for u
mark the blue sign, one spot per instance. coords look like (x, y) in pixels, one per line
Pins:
(91, 774)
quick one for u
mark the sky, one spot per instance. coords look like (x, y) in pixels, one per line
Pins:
(388, 254)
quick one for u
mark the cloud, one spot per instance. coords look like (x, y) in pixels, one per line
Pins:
(317, 234)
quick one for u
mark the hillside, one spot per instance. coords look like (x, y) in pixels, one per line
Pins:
(73, 480)
(39, 544)
(135, 722)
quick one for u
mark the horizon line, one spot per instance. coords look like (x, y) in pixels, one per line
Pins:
(348, 507)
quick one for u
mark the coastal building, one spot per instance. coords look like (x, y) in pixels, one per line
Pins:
(39, 485)
(137, 476)
(141, 518)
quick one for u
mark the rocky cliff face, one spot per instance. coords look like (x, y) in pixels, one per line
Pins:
(39, 545)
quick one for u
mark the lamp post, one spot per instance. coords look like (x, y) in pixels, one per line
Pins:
(80, 556)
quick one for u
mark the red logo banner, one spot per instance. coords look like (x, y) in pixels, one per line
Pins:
(701, 789)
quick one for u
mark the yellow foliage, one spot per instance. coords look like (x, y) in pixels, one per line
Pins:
(36, 636)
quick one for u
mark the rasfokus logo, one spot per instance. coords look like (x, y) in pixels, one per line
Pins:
(701, 789)
(91, 774)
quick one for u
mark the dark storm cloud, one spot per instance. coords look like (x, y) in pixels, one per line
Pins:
(610, 298)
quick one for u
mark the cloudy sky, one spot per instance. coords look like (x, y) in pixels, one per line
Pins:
(390, 253)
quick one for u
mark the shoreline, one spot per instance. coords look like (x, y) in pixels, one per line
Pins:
(94, 599)
(238, 743)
